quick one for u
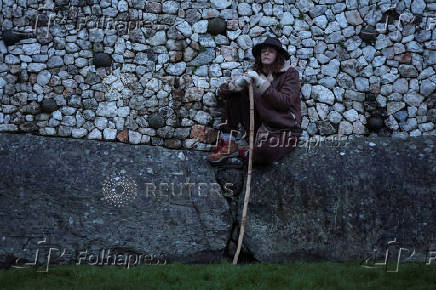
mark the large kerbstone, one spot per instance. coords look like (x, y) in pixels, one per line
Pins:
(324, 203)
(57, 187)
(341, 202)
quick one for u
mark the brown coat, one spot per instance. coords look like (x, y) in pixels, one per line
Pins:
(278, 100)
(278, 106)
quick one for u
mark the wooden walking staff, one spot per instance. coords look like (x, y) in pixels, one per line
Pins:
(248, 185)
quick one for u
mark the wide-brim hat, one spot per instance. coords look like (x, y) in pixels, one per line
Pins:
(270, 41)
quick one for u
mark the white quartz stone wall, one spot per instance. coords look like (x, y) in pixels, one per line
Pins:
(357, 59)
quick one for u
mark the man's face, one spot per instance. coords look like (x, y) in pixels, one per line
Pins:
(268, 55)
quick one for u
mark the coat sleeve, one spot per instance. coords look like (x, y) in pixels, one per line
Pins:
(288, 97)
(225, 90)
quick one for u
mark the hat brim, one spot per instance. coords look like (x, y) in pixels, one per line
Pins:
(256, 49)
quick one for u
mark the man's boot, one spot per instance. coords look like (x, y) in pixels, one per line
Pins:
(244, 152)
(224, 149)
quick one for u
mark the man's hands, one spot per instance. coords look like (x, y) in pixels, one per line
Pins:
(240, 83)
(251, 74)
(261, 83)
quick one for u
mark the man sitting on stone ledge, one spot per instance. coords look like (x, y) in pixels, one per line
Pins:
(277, 114)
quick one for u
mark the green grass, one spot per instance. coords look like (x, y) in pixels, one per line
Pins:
(223, 276)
